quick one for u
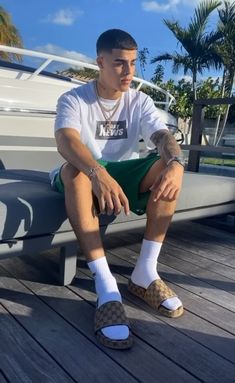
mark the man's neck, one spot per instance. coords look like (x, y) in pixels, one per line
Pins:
(105, 91)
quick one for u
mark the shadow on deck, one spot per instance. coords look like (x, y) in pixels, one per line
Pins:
(46, 330)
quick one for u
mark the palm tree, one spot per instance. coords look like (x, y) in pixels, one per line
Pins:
(9, 35)
(226, 51)
(196, 45)
(142, 56)
(84, 74)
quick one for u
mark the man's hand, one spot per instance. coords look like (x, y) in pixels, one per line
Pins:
(109, 193)
(168, 184)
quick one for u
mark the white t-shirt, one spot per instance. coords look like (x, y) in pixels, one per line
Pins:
(136, 117)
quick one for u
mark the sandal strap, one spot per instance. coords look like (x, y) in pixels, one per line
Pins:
(158, 292)
(110, 314)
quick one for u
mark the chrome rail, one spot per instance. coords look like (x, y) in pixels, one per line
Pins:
(25, 111)
(49, 58)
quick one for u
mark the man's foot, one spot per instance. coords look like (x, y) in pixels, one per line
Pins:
(107, 291)
(156, 294)
(145, 273)
(112, 314)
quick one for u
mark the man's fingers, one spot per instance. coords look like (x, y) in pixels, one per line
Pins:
(117, 204)
(109, 204)
(160, 190)
(170, 193)
(176, 194)
(168, 189)
(155, 185)
(102, 204)
(124, 202)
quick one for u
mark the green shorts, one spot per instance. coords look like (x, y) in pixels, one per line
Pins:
(128, 174)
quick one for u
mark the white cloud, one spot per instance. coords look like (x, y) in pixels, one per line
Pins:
(59, 51)
(199, 78)
(63, 17)
(155, 6)
(181, 77)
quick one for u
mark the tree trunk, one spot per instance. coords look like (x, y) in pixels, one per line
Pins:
(232, 77)
(194, 72)
(219, 116)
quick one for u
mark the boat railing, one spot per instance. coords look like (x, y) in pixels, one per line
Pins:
(49, 58)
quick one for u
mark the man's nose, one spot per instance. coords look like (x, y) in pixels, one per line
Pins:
(127, 68)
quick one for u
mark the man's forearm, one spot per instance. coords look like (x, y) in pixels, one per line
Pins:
(75, 152)
(166, 145)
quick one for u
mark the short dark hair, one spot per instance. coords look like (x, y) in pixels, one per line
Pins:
(115, 39)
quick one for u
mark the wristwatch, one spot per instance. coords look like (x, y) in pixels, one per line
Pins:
(178, 159)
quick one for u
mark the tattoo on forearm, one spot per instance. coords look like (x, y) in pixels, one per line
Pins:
(166, 145)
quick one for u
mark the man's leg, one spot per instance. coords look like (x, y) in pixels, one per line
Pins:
(159, 215)
(85, 223)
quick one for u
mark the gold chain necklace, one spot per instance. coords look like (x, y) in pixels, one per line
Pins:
(108, 119)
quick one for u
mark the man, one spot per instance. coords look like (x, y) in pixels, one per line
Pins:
(97, 129)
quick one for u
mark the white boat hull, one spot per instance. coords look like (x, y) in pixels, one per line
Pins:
(28, 100)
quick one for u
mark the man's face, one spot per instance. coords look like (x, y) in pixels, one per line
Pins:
(117, 68)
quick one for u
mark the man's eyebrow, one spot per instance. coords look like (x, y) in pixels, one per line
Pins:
(123, 60)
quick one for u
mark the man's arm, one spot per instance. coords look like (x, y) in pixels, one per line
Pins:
(167, 146)
(108, 192)
(73, 150)
(168, 183)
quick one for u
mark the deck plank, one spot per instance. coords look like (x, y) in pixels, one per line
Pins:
(156, 363)
(164, 349)
(200, 242)
(198, 326)
(208, 264)
(22, 359)
(193, 284)
(214, 338)
(183, 284)
(177, 346)
(208, 234)
(194, 242)
(3, 378)
(46, 327)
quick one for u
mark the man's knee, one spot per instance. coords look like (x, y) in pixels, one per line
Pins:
(71, 176)
(149, 178)
(68, 173)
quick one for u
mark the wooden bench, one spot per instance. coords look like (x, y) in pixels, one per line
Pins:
(33, 216)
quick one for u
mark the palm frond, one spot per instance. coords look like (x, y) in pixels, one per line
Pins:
(199, 21)
(227, 13)
(163, 57)
(9, 35)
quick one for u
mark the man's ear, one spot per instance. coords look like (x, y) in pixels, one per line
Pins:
(99, 61)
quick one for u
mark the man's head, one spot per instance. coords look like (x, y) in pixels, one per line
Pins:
(115, 39)
(116, 57)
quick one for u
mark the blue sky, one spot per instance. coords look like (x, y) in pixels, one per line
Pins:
(71, 27)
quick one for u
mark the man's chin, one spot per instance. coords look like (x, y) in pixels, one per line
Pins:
(124, 87)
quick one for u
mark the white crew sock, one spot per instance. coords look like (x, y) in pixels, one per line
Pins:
(107, 290)
(145, 271)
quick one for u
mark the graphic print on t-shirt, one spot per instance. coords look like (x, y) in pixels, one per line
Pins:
(117, 130)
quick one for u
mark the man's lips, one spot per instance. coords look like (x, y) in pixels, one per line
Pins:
(125, 81)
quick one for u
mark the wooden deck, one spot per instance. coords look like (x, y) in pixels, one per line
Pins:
(46, 331)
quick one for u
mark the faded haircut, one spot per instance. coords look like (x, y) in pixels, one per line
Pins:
(115, 39)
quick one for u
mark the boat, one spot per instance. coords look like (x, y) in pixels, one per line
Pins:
(28, 107)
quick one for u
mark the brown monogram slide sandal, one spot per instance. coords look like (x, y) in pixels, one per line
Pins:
(111, 314)
(155, 295)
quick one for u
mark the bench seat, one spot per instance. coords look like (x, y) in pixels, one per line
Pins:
(33, 217)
